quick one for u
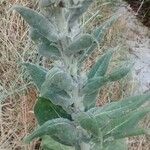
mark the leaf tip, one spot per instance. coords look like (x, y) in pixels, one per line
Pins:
(26, 140)
(14, 7)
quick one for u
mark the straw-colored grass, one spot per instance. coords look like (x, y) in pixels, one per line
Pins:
(16, 117)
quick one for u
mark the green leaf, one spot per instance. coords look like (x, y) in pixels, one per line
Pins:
(127, 104)
(57, 86)
(89, 100)
(38, 73)
(77, 11)
(112, 114)
(98, 34)
(87, 122)
(44, 46)
(35, 35)
(116, 145)
(119, 73)
(101, 71)
(38, 22)
(130, 133)
(61, 130)
(57, 96)
(128, 124)
(49, 144)
(44, 110)
(80, 44)
(59, 78)
(48, 50)
(100, 31)
(46, 3)
(93, 85)
(100, 67)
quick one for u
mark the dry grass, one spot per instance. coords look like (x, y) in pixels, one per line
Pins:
(16, 116)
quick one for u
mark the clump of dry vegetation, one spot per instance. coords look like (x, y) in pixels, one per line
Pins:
(16, 99)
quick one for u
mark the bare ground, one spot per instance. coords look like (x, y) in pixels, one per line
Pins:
(137, 38)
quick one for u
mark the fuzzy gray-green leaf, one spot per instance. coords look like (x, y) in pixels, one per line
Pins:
(93, 85)
(38, 22)
(100, 31)
(89, 100)
(38, 73)
(57, 96)
(100, 67)
(56, 87)
(127, 124)
(76, 12)
(116, 110)
(61, 130)
(49, 144)
(116, 145)
(46, 3)
(119, 73)
(113, 114)
(35, 35)
(98, 34)
(48, 50)
(131, 132)
(58, 78)
(127, 104)
(87, 122)
(45, 110)
(80, 44)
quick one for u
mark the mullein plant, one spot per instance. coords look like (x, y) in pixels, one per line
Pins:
(66, 108)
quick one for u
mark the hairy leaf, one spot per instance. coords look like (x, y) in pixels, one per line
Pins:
(48, 50)
(49, 144)
(46, 3)
(80, 44)
(130, 133)
(116, 145)
(35, 35)
(101, 71)
(124, 127)
(38, 74)
(127, 104)
(116, 110)
(61, 130)
(38, 22)
(93, 85)
(98, 34)
(59, 78)
(87, 122)
(56, 87)
(119, 73)
(57, 96)
(77, 11)
(45, 110)
(100, 67)
(89, 100)
(45, 47)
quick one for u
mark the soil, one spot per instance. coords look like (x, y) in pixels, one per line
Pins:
(137, 38)
(142, 8)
